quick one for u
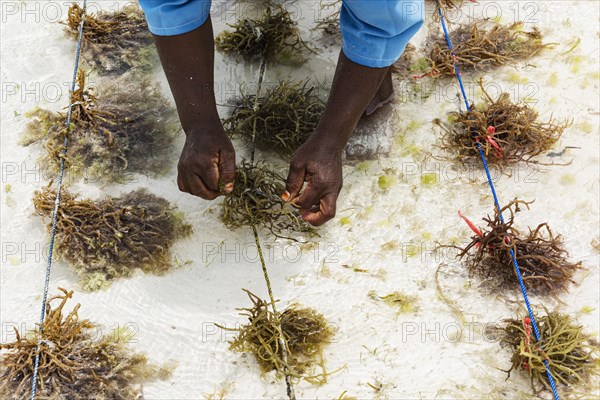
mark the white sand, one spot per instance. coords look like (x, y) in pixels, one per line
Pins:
(415, 356)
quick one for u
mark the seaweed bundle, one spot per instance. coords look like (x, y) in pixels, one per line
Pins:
(572, 354)
(110, 238)
(114, 42)
(478, 48)
(74, 362)
(305, 333)
(256, 200)
(127, 130)
(274, 35)
(542, 259)
(284, 118)
(508, 132)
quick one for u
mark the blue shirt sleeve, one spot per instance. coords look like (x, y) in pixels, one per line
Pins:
(174, 17)
(376, 32)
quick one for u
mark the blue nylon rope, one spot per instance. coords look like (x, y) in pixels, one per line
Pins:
(496, 202)
(56, 205)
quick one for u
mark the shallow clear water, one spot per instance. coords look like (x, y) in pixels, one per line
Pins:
(414, 356)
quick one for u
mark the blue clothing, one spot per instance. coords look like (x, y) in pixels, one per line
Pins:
(374, 32)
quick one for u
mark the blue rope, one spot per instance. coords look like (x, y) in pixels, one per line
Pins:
(56, 204)
(496, 202)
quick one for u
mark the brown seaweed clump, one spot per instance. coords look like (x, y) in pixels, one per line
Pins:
(478, 48)
(114, 42)
(74, 362)
(286, 115)
(571, 353)
(508, 132)
(256, 200)
(305, 333)
(126, 131)
(110, 238)
(274, 35)
(542, 259)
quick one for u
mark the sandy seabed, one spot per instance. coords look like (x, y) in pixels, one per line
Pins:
(422, 355)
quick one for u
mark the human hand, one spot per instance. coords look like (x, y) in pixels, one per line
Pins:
(207, 163)
(319, 164)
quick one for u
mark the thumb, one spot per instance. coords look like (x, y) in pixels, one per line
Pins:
(294, 182)
(227, 169)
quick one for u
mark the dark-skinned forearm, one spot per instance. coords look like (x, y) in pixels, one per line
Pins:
(188, 62)
(206, 166)
(353, 88)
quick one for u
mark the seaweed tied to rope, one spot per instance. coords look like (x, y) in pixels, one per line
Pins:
(283, 118)
(305, 333)
(256, 200)
(571, 353)
(127, 129)
(75, 363)
(543, 261)
(477, 47)
(274, 35)
(508, 132)
(110, 238)
(114, 42)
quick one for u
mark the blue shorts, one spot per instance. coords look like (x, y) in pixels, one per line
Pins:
(374, 32)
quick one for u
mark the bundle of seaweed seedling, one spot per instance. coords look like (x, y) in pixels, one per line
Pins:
(274, 35)
(114, 42)
(542, 259)
(284, 118)
(110, 238)
(256, 200)
(479, 48)
(508, 132)
(74, 362)
(127, 130)
(305, 333)
(572, 354)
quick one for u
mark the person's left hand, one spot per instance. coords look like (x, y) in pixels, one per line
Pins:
(319, 164)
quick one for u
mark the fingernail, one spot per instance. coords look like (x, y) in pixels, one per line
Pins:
(229, 187)
(285, 196)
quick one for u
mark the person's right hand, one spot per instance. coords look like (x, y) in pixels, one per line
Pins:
(207, 163)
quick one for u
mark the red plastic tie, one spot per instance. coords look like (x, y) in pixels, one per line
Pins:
(471, 225)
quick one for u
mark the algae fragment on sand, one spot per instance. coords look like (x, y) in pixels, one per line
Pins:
(385, 182)
(401, 302)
